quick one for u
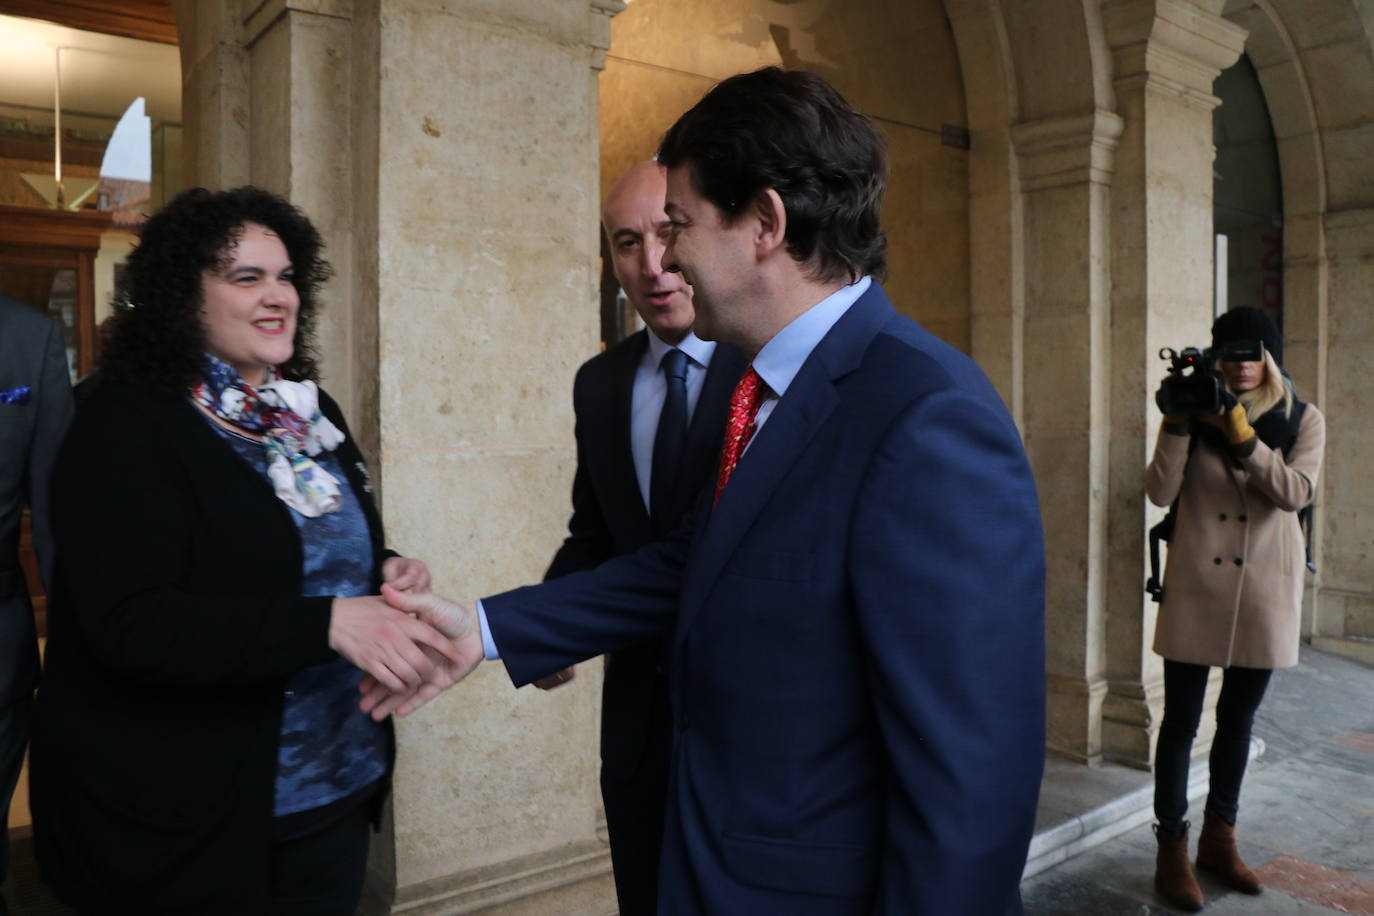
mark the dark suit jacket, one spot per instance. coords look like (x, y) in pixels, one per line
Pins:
(176, 618)
(31, 354)
(858, 644)
(609, 518)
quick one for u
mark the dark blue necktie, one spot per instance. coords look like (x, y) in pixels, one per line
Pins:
(672, 431)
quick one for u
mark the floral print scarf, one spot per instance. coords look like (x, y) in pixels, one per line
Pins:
(287, 416)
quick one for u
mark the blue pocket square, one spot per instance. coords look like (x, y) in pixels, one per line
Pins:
(18, 395)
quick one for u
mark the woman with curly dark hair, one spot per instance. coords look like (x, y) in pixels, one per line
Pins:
(198, 745)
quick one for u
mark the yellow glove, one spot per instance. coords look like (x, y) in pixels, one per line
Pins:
(1233, 423)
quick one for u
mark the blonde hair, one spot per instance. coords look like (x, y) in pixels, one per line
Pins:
(1273, 390)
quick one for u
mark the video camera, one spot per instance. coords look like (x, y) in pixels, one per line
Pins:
(1194, 386)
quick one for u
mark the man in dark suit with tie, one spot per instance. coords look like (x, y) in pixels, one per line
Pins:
(857, 607)
(650, 412)
(35, 407)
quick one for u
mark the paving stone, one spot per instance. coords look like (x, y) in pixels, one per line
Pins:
(1341, 891)
(1058, 895)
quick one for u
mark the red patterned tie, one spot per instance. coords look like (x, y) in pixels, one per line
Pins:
(739, 425)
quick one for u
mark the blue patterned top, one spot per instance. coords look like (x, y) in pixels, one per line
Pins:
(328, 748)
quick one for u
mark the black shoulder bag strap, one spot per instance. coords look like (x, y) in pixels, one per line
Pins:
(1307, 515)
(1164, 531)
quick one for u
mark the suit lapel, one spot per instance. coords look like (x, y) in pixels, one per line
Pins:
(809, 402)
(619, 454)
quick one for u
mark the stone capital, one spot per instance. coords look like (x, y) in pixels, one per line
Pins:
(602, 12)
(1067, 149)
(1175, 43)
(259, 15)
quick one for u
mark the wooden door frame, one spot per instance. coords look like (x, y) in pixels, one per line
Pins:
(60, 239)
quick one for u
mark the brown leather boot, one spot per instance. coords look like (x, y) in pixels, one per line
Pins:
(1216, 852)
(1173, 874)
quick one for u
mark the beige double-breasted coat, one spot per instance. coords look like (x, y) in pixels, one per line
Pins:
(1234, 576)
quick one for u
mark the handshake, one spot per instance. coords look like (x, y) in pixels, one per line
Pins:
(411, 645)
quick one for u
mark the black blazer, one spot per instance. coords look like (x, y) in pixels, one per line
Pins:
(175, 621)
(609, 518)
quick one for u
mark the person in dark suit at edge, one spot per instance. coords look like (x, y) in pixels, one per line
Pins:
(35, 408)
(857, 607)
(650, 413)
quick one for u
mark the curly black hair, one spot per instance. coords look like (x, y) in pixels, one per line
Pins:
(155, 338)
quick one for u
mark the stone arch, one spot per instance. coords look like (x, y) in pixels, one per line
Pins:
(1315, 62)
(1288, 92)
(894, 60)
(1040, 101)
(1012, 56)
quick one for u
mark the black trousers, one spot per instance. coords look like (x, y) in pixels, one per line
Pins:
(1242, 689)
(636, 804)
(14, 738)
(319, 858)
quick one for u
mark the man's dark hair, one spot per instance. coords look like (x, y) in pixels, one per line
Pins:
(789, 130)
(155, 338)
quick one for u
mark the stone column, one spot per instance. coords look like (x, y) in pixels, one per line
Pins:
(486, 259)
(448, 152)
(1166, 54)
(1345, 599)
(997, 265)
(301, 75)
(1066, 167)
(267, 90)
(214, 78)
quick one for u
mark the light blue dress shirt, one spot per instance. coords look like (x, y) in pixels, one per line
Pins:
(777, 364)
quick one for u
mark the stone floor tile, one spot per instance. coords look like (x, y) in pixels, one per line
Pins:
(1338, 890)
(1054, 894)
(1360, 741)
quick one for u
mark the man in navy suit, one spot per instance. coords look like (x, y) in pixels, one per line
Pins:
(35, 408)
(856, 608)
(650, 413)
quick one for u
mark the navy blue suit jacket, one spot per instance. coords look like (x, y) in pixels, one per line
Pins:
(609, 517)
(857, 644)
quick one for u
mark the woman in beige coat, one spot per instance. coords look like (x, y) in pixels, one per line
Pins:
(1232, 587)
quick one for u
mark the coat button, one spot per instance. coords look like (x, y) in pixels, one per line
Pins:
(1217, 561)
(1222, 516)
(1240, 517)
(1238, 561)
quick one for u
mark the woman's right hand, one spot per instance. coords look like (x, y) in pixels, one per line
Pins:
(389, 644)
(455, 620)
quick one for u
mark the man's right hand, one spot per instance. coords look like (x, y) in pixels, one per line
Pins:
(456, 621)
(395, 649)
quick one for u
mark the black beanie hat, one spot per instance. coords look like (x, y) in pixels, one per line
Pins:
(1248, 323)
